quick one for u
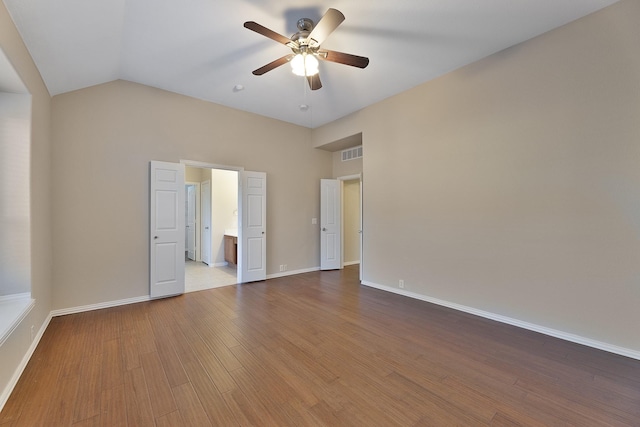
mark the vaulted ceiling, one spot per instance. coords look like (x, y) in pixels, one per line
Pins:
(200, 48)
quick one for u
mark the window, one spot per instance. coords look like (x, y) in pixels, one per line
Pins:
(15, 218)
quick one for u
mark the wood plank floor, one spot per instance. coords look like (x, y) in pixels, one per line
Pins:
(313, 349)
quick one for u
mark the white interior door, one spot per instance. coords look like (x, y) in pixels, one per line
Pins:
(252, 237)
(191, 222)
(330, 224)
(167, 224)
(360, 231)
(205, 201)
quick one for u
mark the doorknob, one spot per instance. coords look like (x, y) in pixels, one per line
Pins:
(155, 237)
(324, 229)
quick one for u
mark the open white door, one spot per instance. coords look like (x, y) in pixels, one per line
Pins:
(360, 231)
(167, 225)
(205, 201)
(191, 222)
(330, 224)
(252, 237)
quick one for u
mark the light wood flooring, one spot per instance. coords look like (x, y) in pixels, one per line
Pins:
(313, 349)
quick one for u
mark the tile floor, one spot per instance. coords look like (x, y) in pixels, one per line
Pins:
(199, 276)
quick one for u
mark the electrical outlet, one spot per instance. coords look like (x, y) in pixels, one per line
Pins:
(285, 267)
(33, 332)
(314, 220)
(401, 284)
(281, 267)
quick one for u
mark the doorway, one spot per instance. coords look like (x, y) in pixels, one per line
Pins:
(341, 222)
(167, 225)
(216, 214)
(351, 222)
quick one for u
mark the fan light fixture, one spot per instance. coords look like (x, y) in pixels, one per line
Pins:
(304, 65)
(305, 47)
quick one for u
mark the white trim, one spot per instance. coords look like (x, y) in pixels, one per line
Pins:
(291, 273)
(634, 354)
(205, 165)
(98, 306)
(220, 264)
(357, 176)
(23, 364)
(12, 297)
(13, 309)
(346, 263)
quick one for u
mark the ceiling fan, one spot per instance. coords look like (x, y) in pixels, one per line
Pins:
(305, 45)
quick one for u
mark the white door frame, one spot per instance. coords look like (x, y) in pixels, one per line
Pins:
(353, 178)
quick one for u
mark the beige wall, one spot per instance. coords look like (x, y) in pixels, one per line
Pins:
(104, 138)
(15, 348)
(192, 174)
(511, 185)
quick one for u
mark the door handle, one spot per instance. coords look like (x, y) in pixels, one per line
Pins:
(324, 229)
(155, 237)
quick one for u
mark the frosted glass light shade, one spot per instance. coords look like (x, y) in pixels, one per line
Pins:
(304, 65)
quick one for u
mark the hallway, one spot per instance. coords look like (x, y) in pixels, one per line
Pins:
(199, 276)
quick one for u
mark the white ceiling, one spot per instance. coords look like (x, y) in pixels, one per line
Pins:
(201, 49)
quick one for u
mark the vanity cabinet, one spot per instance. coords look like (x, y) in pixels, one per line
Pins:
(231, 249)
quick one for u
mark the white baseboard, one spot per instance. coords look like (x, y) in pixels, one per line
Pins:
(98, 306)
(514, 322)
(350, 263)
(23, 364)
(221, 264)
(292, 272)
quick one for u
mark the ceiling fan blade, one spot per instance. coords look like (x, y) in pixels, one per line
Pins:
(314, 82)
(344, 58)
(273, 64)
(327, 24)
(254, 26)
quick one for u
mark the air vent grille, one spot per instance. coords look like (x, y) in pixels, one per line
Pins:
(352, 153)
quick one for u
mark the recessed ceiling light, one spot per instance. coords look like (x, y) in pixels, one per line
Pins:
(238, 88)
(304, 107)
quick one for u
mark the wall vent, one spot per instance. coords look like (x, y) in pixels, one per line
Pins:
(352, 153)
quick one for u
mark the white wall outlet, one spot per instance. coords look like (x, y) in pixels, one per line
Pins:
(285, 267)
(33, 332)
(401, 284)
(281, 267)
(314, 220)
